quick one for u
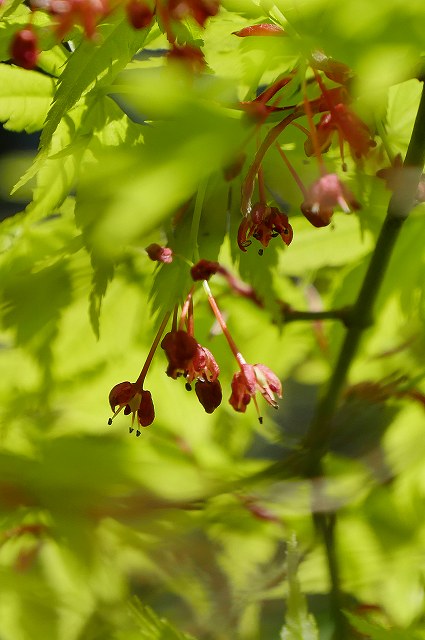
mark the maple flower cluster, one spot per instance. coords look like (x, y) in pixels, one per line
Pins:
(262, 221)
(188, 359)
(87, 14)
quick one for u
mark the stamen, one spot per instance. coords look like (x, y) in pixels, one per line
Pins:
(260, 417)
(130, 429)
(115, 414)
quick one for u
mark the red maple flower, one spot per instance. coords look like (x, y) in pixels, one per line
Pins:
(204, 269)
(200, 10)
(188, 358)
(209, 394)
(191, 57)
(349, 127)
(24, 48)
(139, 14)
(159, 254)
(323, 196)
(87, 13)
(180, 349)
(126, 395)
(202, 367)
(250, 380)
(264, 223)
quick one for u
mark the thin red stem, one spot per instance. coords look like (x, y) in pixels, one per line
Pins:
(271, 137)
(301, 128)
(261, 186)
(313, 132)
(190, 319)
(185, 309)
(140, 380)
(221, 321)
(292, 171)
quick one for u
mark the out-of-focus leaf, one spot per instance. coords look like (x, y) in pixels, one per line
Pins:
(375, 632)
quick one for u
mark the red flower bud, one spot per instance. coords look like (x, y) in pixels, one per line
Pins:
(192, 57)
(146, 411)
(159, 254)
(323, 196)
(180, 349)
(204, 269)
(265, 29)
(24, 48)
(209, 394)
(139, 14)
(200, 10)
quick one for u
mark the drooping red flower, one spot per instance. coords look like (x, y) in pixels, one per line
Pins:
(200, 10)
(336, 71)
(24, 48)
(202, 367)
(209, 394)
(186, 357)
(159, 254)
(191, 57)
(87, 13)
(349, 127)
(180, 349)
(323, 196)
(127, 396)
(250, 380)
(264, 223)
(139, 14)
(204, 269)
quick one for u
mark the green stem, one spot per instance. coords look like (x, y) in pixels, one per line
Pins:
(325, 525)
(317, 440)
(402, 201)
(292, 315)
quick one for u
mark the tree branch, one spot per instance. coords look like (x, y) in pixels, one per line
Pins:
(316, 442)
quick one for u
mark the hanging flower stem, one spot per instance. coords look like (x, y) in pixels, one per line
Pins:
(309, 113)
(292, 171)
(271, 137)
(140, 380)
(221, 321)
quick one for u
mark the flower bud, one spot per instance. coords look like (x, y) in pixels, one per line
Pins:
(24, 48)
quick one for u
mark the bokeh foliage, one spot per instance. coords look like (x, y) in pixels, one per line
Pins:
(100, 530)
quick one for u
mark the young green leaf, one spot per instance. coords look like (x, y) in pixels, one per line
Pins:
(152, 627)
(25, 97)
(299, 625)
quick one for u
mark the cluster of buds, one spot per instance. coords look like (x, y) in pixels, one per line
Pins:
(337, 121)
(87, 14)
(193, 362)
